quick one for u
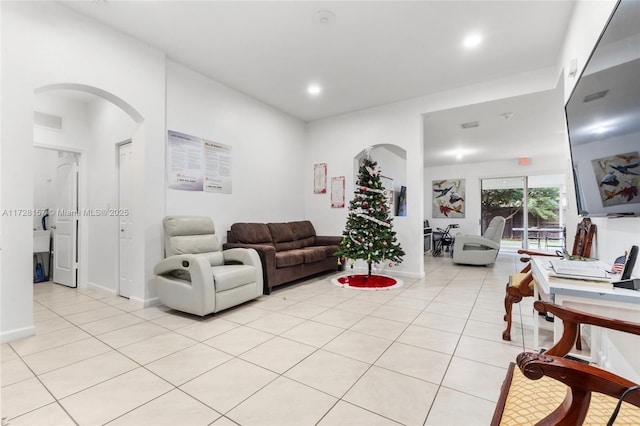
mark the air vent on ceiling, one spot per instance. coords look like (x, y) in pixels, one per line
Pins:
(470, 125)
(47, 120)
(594, 96)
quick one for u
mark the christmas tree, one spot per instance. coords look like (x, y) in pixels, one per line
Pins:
(369, 233)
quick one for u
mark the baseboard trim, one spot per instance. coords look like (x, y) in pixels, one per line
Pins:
(100, 287)
(19, 333)
(146, 302)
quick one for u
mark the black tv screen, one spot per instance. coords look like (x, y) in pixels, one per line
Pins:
(603, 120)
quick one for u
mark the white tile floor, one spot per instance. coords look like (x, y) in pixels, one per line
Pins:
(428, 353)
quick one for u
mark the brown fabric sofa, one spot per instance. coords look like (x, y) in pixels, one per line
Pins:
(288, 251)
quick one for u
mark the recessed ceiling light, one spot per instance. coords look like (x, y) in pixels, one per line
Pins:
(506, 115)
(324, 18)
(314, 89)
(472, 40)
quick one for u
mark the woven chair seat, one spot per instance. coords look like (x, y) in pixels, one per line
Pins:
(516, 279)
(529, 401)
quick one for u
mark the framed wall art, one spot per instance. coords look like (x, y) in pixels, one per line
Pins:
(320, 178)
(337, 191)
(448, 198)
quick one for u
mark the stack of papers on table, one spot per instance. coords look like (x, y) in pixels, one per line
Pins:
(579, 270)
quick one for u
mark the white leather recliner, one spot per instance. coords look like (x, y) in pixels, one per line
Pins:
(479, 250)
(197, 276)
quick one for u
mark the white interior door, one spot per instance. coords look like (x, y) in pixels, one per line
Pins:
(65, 223)
(125, 222)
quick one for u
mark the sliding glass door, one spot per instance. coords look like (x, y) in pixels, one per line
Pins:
(506, 197)
(533, 207)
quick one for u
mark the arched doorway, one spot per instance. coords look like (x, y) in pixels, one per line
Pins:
(93, 124)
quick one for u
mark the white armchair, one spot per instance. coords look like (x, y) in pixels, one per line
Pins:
(476, 250)
(197, 276)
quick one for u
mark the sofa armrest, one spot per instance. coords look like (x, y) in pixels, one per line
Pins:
(244, 256)
(267, 254)
(323, 240)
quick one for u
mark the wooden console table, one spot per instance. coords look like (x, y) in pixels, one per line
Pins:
(616, 303)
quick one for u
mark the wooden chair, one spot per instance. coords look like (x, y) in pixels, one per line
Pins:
(521, 284)
(547, 389)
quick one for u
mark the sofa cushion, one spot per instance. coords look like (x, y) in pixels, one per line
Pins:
(282, 236)
(313, 254)
(288, 258)
(329, 250)
(251, 233)
(302, 229)
(304, 233)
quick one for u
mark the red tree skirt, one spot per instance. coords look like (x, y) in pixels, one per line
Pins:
(364, 282)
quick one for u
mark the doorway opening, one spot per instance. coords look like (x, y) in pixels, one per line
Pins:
(90, 123)
(534, 208)
(125, 219)
(55, 199)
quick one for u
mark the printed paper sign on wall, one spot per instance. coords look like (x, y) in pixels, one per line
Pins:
(196, 164)
(184, 162)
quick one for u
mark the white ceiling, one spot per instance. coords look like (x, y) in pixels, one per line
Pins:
(372, 53)
(535, 128)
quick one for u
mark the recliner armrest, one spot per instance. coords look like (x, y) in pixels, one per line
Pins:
(173, 263)
(474, 239)
(182, 261)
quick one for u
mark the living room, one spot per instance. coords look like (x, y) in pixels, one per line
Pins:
(273, 151)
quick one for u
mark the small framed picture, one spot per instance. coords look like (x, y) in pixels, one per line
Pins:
(320, 178)
(337, 191)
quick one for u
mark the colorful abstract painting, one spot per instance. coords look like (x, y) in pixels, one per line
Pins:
(618, 178)
(448, 198)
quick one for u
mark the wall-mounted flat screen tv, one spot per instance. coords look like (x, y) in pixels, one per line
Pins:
(603, 119)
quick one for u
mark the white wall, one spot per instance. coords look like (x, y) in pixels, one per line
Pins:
(337, 140)
(73, 135)
(108, 127)
(46, 45)
(473, 173)
(267, 151)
